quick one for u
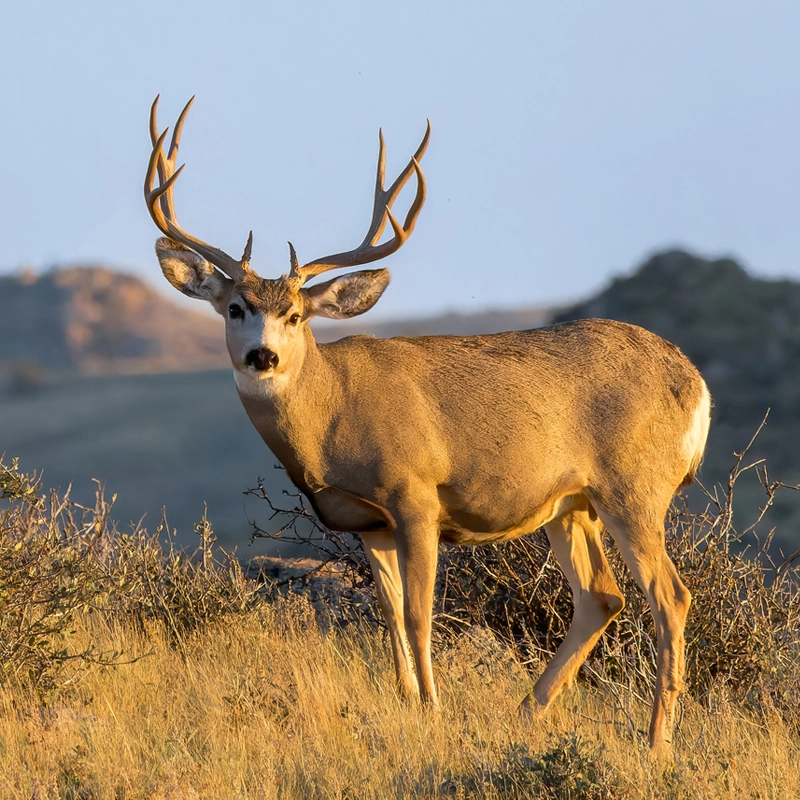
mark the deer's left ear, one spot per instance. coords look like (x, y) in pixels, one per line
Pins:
(190, 273)
(348, 295)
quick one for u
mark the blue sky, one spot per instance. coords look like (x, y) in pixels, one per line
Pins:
(569, 140)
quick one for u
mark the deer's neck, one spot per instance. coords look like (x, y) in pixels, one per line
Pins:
(295, 418)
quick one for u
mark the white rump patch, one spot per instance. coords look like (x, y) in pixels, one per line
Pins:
(694, 442)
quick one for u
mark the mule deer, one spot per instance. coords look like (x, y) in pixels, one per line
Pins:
(476, 439)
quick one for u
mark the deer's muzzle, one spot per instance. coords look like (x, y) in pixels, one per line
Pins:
(262, 359)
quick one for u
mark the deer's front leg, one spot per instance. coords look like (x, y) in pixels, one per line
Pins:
(381, 551)
(417, 537)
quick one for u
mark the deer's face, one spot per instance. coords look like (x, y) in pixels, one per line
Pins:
(264, 325)
(266, 320)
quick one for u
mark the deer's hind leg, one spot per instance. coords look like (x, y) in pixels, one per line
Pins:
(639, 534)
(575, 540)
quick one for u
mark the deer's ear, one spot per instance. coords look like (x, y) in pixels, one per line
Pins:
(190, 273)
(348, 295)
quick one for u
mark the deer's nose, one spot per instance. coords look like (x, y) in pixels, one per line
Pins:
(261, 359)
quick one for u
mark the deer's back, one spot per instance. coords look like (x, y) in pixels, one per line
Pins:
(507, 422)
(587, 371)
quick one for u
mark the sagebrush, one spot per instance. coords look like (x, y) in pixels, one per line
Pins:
(60, 560)
(129, 669)
(743, 632)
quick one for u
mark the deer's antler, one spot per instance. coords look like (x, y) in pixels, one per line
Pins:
(161, 204)
(369, 250)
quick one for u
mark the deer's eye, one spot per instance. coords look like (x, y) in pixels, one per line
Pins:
(235, 311)
(294, 319)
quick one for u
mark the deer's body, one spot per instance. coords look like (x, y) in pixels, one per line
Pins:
(575, 409)
(470, 440)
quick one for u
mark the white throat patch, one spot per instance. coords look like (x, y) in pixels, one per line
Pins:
(256, 384)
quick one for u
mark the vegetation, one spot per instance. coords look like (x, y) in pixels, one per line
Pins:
(62, 565)
(266, 706)
(128, 670)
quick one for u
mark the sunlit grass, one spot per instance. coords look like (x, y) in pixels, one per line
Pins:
(129, 671)
(267, 706)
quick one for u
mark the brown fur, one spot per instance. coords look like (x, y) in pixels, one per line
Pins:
(412, 441)
(581, 426)
(271, 296)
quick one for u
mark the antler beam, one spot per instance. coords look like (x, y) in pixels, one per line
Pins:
(161, 203)
(369, 250)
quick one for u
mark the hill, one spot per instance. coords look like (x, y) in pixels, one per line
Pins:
(96, 320)
(743, 333)
(177, 440)
(452, 323)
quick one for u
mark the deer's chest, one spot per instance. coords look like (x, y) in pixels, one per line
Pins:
(343, 511)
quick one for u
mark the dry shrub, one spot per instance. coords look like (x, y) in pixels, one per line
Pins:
(743, 634)
(47, 576)
(60, 560)
(571, 770)
(338, 583)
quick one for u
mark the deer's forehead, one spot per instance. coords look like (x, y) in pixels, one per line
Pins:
(271, 296)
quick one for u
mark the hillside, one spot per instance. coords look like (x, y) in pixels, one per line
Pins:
(173, 440)
(96, 320)
(452, 323)
(743, 333)
(177, 440)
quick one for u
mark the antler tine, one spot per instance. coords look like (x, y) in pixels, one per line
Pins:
(413, 167)
(176, 136)
(160, 200)
(166, 167)
(248, 248)
(368, 250)
(154, 121)
(378, 216)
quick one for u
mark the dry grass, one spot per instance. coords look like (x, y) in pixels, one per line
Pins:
(128, 671)
(269, 707)
(743, 631)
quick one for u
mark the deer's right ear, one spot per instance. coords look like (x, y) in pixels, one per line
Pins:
(189, 272)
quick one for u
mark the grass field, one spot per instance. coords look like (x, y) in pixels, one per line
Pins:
(129, 671)
(270, 707)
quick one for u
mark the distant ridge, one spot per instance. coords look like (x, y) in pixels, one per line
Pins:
(451, 323)
(743, 333)
(93, 320)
